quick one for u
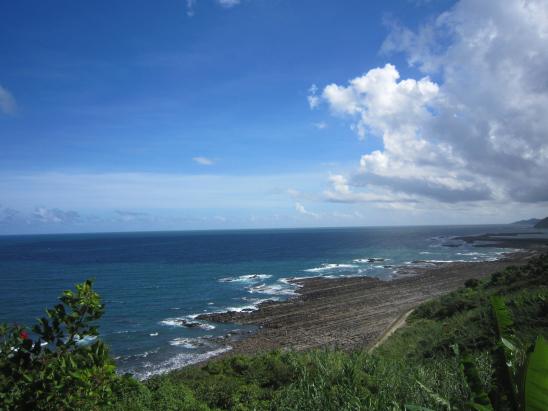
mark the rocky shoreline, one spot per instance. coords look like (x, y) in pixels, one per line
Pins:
(508, 240)
(348, 313)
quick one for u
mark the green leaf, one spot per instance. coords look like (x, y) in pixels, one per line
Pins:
(437, 398)
(479, 407)
(536, 379)
(503, 316)
(508, 344)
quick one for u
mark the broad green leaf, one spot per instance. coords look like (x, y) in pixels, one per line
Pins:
(503, 317)
(536, 379)
(508, 344)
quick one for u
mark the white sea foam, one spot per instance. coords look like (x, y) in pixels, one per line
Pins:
(192, 343)
(171, 322)
(253, 306)
(256, 301)
(446, 261)
(140, 355)
(85, 340)
(330, 267)
(242, 308)
(178, 361)
(245, 278)
(187, 322)
(370, 260)
(273, 289)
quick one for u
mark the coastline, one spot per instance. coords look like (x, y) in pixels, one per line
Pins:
(349, 313)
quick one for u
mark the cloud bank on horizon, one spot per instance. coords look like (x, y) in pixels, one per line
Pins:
(477, 134)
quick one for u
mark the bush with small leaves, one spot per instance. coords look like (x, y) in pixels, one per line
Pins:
(57, 367)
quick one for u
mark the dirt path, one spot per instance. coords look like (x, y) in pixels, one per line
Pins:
(400, 322)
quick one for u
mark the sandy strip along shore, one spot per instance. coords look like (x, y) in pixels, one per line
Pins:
(350, 312)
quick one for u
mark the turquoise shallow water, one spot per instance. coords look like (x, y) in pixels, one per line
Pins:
(151, 281)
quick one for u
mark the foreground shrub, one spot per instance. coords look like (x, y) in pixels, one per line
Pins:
(61, 365)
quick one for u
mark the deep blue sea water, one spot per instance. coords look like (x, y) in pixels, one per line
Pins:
(150, 281)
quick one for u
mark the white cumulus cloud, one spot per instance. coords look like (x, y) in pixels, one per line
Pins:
(7, 102)
(477, 134)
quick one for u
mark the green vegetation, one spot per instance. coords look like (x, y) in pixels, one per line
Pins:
(542, 223)
(479, 348)
(55, 370)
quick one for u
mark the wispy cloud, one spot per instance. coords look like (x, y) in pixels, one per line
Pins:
(128, 216)
(190, 4)
(9, 215)
(301, 210)
(204, 161)
(7, 102)
(313, 98)
(150, 191)
(54, 215)
(228, 3)
(320, 125)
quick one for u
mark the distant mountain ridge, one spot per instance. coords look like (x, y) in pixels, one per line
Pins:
(542, 223)
(530, 223)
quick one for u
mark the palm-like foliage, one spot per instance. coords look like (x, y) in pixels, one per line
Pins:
(527, 375)
(536, 379)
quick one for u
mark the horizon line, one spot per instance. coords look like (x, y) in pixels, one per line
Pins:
(254, 229)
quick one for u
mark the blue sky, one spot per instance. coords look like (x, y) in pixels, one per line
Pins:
(133, 115)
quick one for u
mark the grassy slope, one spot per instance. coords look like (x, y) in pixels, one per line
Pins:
(417, 365)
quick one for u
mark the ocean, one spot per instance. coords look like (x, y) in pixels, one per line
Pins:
(153, 282)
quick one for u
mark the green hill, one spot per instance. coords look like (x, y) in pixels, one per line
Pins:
(529, 223)
(542, 223)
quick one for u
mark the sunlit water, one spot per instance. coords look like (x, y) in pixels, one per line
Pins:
(151, 281)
